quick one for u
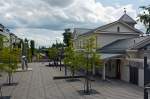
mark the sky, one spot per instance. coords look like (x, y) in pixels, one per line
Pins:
(45, 20)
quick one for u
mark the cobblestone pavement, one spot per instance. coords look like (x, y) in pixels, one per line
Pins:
(39, 84)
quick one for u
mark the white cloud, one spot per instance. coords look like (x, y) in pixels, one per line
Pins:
(55, 15)
(42, 37)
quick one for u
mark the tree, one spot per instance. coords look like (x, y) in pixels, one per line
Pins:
(32, 47)
(90, 60)
(57, 45)
(67, 36)
(145, 17)
(72, 59)
(1, 41)
(9, 61)
(25, 49)
(53, 54)
(20, 43)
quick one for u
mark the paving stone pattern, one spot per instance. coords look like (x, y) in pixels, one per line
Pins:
(39, 84)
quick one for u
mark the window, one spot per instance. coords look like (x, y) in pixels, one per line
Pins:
(118, 29)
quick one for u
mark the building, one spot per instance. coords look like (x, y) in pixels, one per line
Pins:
(121, 46)
(8, 37)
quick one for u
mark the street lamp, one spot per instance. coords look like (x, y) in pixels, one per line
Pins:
(87, 74)
(10, 47)
(60, 53)
(146, 87)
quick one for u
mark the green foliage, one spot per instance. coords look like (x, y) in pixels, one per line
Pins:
(72, 59)
(1, 41)
(25, 49)
(67, 37)
(52, 53)
(57, 45)
(145, 17)
(9, 59)
(91, 57)
(82, 59)
(32, 46)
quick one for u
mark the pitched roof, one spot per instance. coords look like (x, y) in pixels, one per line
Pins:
(80, 31)
(142, 44)
(127, 19)
(110, 24)
(121, 45)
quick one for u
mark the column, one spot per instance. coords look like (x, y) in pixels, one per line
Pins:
(104, 71)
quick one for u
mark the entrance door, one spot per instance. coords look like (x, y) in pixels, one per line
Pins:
(134, 75)
(118, 73)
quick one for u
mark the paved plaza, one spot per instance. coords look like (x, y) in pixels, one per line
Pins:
(39, 84)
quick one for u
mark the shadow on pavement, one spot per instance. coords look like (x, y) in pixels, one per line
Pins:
(5, 97)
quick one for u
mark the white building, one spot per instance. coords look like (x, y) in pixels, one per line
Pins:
(9, 38)
(121, 47)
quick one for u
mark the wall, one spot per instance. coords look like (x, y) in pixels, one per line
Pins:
(111, 68)
(114, 28)
(125, 73)
(6, 39)
(109, 35)
(104, 39)
(80, 42)
(141, 77)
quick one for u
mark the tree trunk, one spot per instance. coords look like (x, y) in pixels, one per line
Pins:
(60, 65)
(9, 78)
(54, 62)
(73, 72)
(65, 70)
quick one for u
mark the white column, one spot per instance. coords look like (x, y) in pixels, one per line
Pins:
(104, 72)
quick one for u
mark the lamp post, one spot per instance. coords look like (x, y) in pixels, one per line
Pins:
(87, 74)
(145, 74)
(10, 46)
(60, 53)
(10, 78)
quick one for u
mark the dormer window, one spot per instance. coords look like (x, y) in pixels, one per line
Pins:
(118, 29)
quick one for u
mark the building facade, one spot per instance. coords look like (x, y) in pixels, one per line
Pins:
(121, 47)
(8, 37)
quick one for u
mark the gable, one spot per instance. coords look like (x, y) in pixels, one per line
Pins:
(118, 27)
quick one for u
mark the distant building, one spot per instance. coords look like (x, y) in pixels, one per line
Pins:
(9, 38)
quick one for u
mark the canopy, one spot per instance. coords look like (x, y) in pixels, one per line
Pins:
(107, 56)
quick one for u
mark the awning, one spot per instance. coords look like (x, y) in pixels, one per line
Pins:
(107, 56)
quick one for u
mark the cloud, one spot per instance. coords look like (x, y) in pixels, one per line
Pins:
(42, 37)
(43, 14)
(59, 4)
(49, 16)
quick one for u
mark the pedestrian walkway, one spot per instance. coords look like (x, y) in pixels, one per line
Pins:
(39, 84)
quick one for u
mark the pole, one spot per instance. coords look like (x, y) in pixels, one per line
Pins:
(145, 76)
(87, 73)
(104, 73)
(61, 55)
(10, 74)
